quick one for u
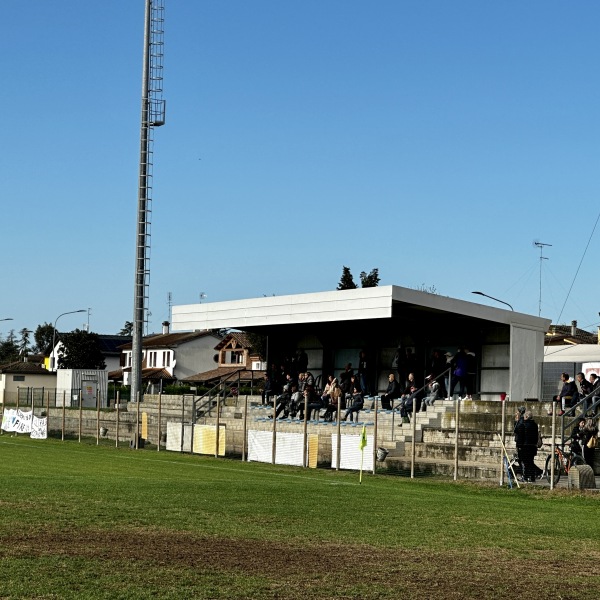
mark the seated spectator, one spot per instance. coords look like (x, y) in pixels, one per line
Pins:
(332, 406)
(357, 405)
(309, 379)
(433, 393)
(329, 386)
(567, 394)
(392, 392)
(301, 382)
(296, 402)
(578, 436)
(313, 404)
(267, 390)
(413, 400)
(282, 404)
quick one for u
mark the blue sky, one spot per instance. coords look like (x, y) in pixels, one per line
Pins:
(433, 140)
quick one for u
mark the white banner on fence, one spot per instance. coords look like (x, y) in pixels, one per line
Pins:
(350, 455)
(23, 421)
(8, 419)
(289, 449)
(39, 428)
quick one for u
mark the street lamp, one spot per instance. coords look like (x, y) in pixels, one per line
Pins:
(71, 312)
(496, 299)
(7, 319)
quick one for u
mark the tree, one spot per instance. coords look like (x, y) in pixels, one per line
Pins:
(347, 281)
(80, 350)
(43, 337)
(127, 329)
(258, 344)
(9, 349)
(370, 280)
(24, 341)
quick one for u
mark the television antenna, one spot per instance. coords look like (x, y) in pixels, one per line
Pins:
(541, 245)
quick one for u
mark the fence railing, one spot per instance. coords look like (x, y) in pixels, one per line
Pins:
(451, 439)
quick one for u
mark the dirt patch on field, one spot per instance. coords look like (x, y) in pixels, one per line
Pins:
(327, 570)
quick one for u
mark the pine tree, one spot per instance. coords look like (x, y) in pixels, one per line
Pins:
(347, 281)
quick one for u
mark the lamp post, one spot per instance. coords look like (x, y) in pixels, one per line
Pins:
(71, 312)
(7, 319)
(496, 299)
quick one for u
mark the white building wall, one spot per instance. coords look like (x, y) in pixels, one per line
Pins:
(526, 354)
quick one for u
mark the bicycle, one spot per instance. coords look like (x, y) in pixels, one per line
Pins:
(564, 459)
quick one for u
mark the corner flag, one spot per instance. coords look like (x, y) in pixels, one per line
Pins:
(363, 438)
(361, 445)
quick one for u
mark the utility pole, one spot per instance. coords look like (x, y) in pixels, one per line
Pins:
(541, 245)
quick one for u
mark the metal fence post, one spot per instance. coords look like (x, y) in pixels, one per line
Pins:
(63, 414)
(456, 429)
(97, 417)
(274, 438)
(375, 406)
(217, 426)
(80, 414)
(413, 429)
(244, 432)
(137, 422)
(339, 433)
(503, 436)
(118, 402)
(182, 421)
(159, 418)
(305, 433)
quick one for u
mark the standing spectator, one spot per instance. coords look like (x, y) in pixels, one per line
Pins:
(302, 361)
(460, 372)
(526, 437)
(585, 389)
(595, 381)
(364, 372)
(344, 379)
(590, 430)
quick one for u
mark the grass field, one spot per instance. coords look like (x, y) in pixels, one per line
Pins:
(81, 521)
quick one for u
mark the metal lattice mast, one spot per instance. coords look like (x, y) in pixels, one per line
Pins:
(153, 115)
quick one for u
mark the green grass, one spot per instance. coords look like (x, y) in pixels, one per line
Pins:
(87, 521)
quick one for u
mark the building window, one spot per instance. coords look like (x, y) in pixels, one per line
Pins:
(18, 377)
(152, 359)
(233, 357)
(166, 359)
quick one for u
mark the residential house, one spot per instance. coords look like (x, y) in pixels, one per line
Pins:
(17, 376)
(234, 355)
(168, 357)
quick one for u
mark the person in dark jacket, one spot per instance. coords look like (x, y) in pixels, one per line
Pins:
(568, 393)
(392, 392)
(590, 430)
(460, 372)
(526, 438)
(585, 389)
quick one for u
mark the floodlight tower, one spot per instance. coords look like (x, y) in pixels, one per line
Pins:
(153, 115)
